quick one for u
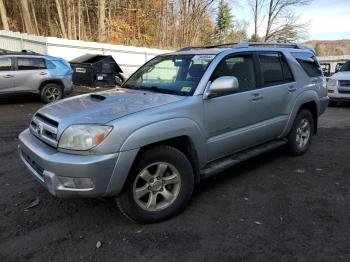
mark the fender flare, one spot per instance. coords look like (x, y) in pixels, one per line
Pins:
(303, 98)
(150, 134)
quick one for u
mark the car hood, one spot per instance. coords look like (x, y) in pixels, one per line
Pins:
(103, 107)
(341, 75)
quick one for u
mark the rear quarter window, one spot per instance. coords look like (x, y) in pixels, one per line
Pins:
(309, 63)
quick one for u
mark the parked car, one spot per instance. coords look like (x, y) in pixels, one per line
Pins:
(339, 85)
(180, 118)
(326, 69)
(29, 72)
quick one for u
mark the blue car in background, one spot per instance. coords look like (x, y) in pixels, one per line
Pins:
(29, 72)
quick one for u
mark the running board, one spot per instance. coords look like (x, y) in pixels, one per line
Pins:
(220, 165)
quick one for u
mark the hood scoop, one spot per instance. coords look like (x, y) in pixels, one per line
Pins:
(97, 97)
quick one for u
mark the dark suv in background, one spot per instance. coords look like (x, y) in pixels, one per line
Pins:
(29, 72)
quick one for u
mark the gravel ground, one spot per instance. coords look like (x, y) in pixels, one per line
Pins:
(271, 208)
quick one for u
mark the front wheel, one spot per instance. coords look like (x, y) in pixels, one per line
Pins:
(159, 186)
(299, 138)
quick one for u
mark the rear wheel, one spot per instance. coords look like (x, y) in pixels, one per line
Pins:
(159, 186)
(50, 93)
(299, 138)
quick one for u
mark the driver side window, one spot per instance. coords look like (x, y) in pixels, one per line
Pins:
(239, 66)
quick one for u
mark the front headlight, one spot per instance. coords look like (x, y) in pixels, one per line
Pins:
(83, 137)
(332, 83)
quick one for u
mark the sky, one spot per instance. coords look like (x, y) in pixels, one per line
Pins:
(328, 19)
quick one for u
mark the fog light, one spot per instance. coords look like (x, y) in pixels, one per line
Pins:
(83, 183)
(79, 182)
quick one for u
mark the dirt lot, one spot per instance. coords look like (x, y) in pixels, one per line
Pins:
(271, 208)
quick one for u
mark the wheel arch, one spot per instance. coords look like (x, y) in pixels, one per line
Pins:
(51, 81)
(181, 133)
(308, 100)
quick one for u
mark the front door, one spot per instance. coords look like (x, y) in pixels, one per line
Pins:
(231, 120)
(6, 74)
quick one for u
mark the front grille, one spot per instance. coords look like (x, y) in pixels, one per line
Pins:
(345, 83)
(33, 164)
(46, 120)
(45, 129)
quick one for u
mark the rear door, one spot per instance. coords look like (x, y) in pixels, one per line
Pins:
(277, 92)
(31, 71)
(6, 74)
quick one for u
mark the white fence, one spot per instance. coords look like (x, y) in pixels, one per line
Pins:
(128, 57)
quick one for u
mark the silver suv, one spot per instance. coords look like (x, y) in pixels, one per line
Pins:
(181, 117)
(29, 72)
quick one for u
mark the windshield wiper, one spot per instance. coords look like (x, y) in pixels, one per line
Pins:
(155, 89)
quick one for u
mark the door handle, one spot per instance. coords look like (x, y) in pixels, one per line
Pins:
(43, 73)
(257, 97)
(292, 89)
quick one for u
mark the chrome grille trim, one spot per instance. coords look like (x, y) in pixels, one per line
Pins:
(42, 130)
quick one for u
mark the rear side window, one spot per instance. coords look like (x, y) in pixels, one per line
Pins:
(27, 63)
(5, 64)
(275, 69)
(309, 63)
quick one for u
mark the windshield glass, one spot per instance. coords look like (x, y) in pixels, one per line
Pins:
(173, 74)
(345, 67)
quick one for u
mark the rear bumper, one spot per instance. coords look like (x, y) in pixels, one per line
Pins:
(68, 85)
(48, 165)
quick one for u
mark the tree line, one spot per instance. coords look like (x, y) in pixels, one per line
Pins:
(154, 23)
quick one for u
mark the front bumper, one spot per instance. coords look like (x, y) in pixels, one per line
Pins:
(335, 95)
(47, 165)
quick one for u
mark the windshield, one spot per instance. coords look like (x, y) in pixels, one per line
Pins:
(345, 67)
(173, 74)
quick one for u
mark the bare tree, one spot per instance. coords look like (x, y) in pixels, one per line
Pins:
(256, 7)
(3, 14)
(101, 20)
(27, 18)
(279, 16)
(61, 18)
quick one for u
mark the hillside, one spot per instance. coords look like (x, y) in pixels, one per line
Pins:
(330, 48)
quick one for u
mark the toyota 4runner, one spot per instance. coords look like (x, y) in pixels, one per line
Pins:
(181, 117)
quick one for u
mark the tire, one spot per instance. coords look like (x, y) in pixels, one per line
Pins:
(51, 93)
(119, 79)
(332, 103)
(158, 172)
(299, 138)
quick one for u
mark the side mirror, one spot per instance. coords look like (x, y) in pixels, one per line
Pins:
(222, 86)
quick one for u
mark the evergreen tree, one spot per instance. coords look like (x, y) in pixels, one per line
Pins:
(224, 22)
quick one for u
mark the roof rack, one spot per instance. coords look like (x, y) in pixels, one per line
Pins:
(22, 52)
(250, 44)
(229, 45)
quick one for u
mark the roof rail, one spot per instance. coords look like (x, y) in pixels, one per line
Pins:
(229, 45)
(22, 52)
(250, 44)
(272, 44)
